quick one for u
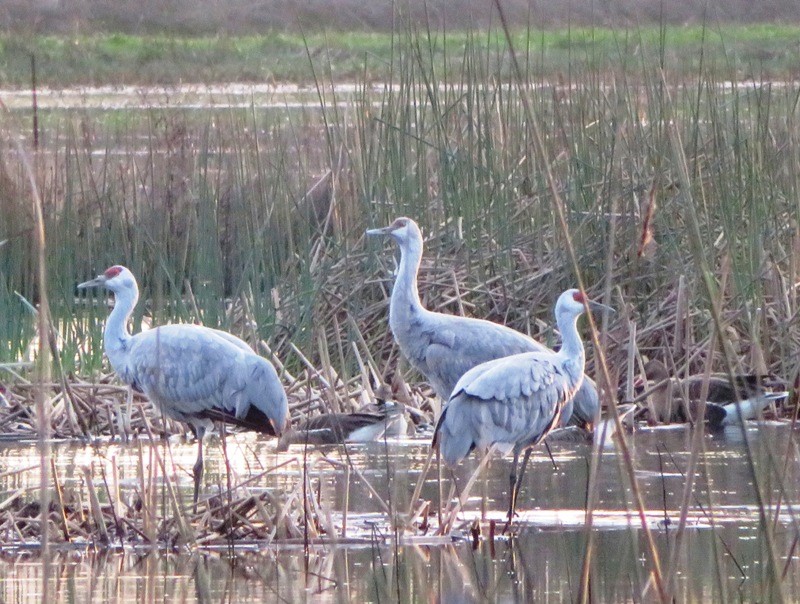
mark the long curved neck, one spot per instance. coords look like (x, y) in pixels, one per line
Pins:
(571, 343)
(116, 337)
(405, 296)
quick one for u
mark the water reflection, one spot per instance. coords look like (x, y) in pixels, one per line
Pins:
(536, 566)
(724, 555)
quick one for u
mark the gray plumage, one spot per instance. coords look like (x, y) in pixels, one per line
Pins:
(512, 403)
(444, 347)
(191, 373)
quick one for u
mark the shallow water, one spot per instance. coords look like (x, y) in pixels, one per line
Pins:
(723, 556)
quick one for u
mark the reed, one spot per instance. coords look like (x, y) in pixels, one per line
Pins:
(679, 201)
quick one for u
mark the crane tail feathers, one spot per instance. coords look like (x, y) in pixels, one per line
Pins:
(255, 420)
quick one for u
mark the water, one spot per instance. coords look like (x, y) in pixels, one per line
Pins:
(723, 555)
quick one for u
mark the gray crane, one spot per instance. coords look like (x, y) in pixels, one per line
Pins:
(444, 347)
(191, 373)
(512, 403)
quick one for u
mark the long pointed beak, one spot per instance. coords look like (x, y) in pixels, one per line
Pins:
(381, 231)
(598, 307)
(96, 282)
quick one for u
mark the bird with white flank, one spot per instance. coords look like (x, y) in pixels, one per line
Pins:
(727, 402)
(444, 347)
(511, 403)
(191, 373)
(338, 428)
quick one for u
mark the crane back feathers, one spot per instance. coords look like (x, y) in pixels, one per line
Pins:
(456, 345)
(511, 403)
(191, 373)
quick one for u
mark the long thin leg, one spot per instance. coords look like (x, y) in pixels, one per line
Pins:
(521, 474)
(198, 466)
(516, 485)
(512, 487)
(464, 495)
(550, 453)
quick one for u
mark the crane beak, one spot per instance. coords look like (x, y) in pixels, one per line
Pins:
(382, 231)
(96, 282)
(598, 307)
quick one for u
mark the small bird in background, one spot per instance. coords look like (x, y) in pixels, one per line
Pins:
(338, 428)
(678, 399)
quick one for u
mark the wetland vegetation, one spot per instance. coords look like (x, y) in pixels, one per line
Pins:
(672, 154)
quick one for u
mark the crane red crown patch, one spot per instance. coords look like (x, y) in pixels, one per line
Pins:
(579, 297)
(113, 272)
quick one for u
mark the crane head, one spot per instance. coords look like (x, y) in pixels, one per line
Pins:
(402, 230)
(114, 278)
(574, 302)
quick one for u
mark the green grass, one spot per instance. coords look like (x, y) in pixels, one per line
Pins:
(745, 51)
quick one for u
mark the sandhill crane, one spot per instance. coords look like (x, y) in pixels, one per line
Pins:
(337, 428)
(673, 399)
(511, 403)
(191, 373)
(444, 347)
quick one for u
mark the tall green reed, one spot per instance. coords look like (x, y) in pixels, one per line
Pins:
(218, 196)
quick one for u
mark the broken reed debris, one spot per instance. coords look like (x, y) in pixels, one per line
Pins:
(96, 516)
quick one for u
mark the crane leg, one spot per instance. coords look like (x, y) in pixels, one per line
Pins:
(198, 466)
(522, 473)
(515, 485)
(512, 490)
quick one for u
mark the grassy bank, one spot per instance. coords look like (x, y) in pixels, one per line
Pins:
(758, 51)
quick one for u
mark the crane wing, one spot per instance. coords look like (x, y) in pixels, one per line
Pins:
(482, 413)
(253, 398)
(459, 344)
(512, 377)
(190, 371)
(238, 342)
(586, 402)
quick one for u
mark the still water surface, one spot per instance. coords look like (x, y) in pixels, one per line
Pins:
(723, 556)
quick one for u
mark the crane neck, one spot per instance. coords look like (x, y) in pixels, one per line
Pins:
(571, 343)
(405, 295)
(116, 337)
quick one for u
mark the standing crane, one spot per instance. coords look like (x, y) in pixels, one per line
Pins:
(444, 347)
(512, 403)
(191, 373)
